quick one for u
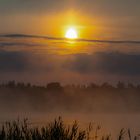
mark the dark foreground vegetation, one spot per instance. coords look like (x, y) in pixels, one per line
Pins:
(122, 97)
(57, 130)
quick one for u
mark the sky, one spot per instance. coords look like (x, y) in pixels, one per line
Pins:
(41, 55)
(100, 19)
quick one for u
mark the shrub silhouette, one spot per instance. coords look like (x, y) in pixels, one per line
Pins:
(55, 86)
(55, 130)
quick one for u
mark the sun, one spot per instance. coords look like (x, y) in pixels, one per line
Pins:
(71, 33)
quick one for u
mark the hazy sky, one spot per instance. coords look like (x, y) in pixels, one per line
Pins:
(107, 19)
(39, 60)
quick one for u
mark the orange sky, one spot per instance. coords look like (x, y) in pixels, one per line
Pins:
(110, 19)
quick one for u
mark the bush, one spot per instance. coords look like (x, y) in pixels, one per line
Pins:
(55, 130)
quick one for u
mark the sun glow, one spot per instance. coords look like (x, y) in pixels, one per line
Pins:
(71, 33)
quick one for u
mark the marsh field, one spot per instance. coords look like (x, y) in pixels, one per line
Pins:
(114, 109)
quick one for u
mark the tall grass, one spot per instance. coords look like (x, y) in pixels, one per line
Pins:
(56, 130)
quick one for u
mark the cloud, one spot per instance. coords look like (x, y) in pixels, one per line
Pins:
(64, 39)
(8, 44)
(23, 62)
(105, 63)
(10, 62)
(37, 63)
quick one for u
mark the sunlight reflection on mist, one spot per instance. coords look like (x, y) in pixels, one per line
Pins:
(41, 45)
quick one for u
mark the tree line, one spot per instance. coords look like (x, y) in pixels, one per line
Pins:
(58, 86)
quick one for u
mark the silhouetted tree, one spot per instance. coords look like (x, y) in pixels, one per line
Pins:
(55, 86)
(28, 85)
(106, 85)
(93, 85)
(20, 85)
(130, 85)
(120, 85)
(11, 84)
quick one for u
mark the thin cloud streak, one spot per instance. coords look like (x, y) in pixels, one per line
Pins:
(76, 40)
